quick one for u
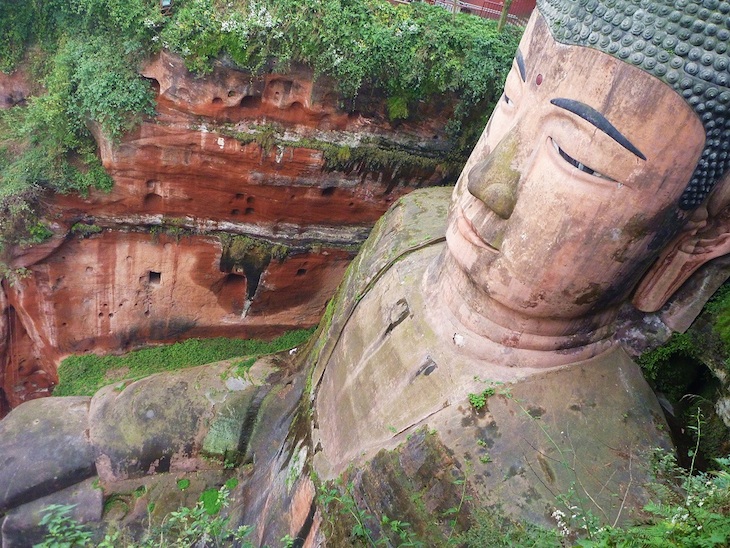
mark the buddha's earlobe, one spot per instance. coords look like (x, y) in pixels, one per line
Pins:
(705, 237)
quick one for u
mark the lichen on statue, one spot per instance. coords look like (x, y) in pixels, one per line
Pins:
(593, 177)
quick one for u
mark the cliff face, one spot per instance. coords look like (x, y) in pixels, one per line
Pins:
(234, 213)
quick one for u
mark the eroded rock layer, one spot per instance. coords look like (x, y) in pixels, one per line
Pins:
(234, 213)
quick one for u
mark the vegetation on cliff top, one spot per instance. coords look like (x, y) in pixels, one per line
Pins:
(84, 55)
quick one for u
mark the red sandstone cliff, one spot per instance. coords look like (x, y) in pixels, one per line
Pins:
(229, 154)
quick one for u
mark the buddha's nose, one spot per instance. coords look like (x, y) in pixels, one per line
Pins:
(494, 181)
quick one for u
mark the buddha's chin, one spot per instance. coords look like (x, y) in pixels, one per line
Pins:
(497, 333)
(497, 313)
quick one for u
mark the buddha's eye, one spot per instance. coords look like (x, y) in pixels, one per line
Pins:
(575, 163)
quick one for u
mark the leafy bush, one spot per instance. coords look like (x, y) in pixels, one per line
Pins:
(202, 525)
(84, 375)
(85, 55)
(408, 52)
(697, 513)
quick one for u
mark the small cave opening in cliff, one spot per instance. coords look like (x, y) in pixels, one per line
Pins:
(301, 272)
(154, 278)
(154, 84)
(217, 101)
(329, 191)
(4, 404)
(250, 101)
(152, 201)
(248, 211)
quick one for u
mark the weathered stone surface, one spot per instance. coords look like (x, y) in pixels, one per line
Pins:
(129, 501)
(14, 89)
(166, 438)
(21, 527)
(587, 416)
(119, 290)
(419, 483)
(411, 224)
(44, 447)
(277, 495)
(160, 423)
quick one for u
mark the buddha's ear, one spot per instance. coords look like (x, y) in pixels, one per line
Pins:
(705, 237)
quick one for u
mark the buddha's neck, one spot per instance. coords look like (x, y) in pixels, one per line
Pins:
(494, 330)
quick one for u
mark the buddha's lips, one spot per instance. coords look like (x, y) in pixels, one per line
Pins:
(467, 231)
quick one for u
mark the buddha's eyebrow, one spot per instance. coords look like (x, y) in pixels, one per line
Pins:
(521, 65)
(592, 116)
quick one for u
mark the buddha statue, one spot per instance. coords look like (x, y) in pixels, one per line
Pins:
(493, 323)
(483, 315)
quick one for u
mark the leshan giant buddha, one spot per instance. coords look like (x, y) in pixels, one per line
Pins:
(599, 162)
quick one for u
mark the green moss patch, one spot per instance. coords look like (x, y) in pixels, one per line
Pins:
(85, 374)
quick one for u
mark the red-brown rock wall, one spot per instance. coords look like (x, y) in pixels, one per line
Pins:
(227, 153)
(119, 290)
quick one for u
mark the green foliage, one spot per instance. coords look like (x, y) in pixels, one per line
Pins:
(397, 108)
(85, 374)
(211, 502)
(334, 501)
(243, 251)
(63, 531)
(37, 233)
(202, 525)
(85, 57)
(696, 514)
(409, 52)
(719, 307)
(492, 528)
(666, 367)
(85, 230)
(338, 499)
(85, 54)
(478, 401)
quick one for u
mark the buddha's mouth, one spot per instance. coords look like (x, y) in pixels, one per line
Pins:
(469, 233)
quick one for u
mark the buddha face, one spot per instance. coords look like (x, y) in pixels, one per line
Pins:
(572, 190)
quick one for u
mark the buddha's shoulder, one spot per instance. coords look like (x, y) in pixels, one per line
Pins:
(415, 223)
(412, 222)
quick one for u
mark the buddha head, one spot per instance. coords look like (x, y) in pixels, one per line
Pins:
(602, 154)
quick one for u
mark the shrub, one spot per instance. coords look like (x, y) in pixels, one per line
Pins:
(202, 525)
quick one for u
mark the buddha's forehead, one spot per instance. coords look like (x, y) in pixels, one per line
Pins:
(610, 113)
(615, 89)
(684, 44)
